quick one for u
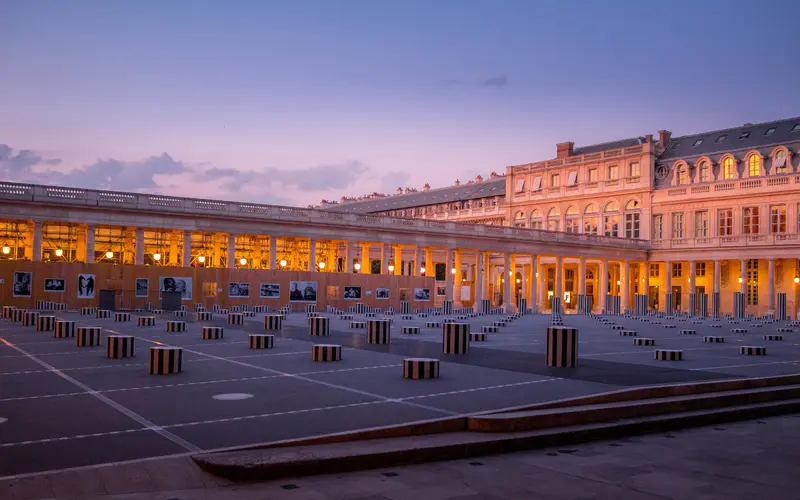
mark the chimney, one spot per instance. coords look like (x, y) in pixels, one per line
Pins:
(399, 190)
(479, 178)
(426, 187)
(663, 138)
(648, 139)
(565, 149)
(458, 182)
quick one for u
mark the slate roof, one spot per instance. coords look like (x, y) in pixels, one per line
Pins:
(721, 141)
(483, 189)
(595, 148)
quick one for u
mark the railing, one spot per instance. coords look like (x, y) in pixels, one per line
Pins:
(161, 204)
(748, 240)
(728, 186)
(612, 153)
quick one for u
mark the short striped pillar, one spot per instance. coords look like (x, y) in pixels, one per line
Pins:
(310, 308)
(17, 315)
(738, 305)
(260, 341)
(235, 319)
(120, 346)
(668, 307)
(88, 336)
(319, 326)
(204, 316)
(405, 307)
(562, 347)
(358, 324)
(88, 311)
(166, 360)
(702, 305)
(29, 318)
(713, 339)
(122, 316)
(489, 329)
(751, 350)
(585, 304)
(642, 341)
(455, 338)
(64, 329)
(477, 337)
(45, 323)
(484, 306)
(7, 311)
(326, 352)
(668, 355)
(146, 321)
(692, 305)
(378, 331)
(235, 309)
(613, 304)
(522, 305)
(411, 330)
(420, 368)
(176, 326)
(103, 314)
(213, 332)
(273, 322)
(447, 307)
(199, 307)
(179, 314)
(780, 307)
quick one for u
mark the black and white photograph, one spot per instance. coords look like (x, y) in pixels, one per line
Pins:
(352, 293)
(238, 290)
(22, 284)
(142, 287)
(86, 286)
(270, 290)
(176, 284)
(422, 294)
(55, 284)
(302, 291)
(441, 291)
(382, 293)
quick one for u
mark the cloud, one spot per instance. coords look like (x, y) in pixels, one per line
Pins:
(390, 181)
(496, 82)
(20, 166)
(124, 175)
(318, 178)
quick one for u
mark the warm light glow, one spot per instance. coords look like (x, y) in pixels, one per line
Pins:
(357, 266)
(6, 250)
(642, 280)
(511, 273)
(518, 280)
(502, 280)
(283, 263)
(59, 252)
(201, 259)
(391, 268)
(619, 282)
(688, 280)
(422, 270)
(109, 254)
(453, 270)
(322, 265)
(243, 261)
(156, 256)
(537, 275)
(740, 279)
(797, 280)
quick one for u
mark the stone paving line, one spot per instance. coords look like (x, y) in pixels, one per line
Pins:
(732, 461)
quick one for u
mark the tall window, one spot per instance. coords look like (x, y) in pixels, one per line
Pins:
(555, 180)
(677, 225)
(677, 270)
(701, 224)
(750, 219)
(658, 227)
(635, 170)
(704, 172)
(612, 172)
(700, 269)
(554, 220)
(537, 222)
(752, 282)
(777, 218)
(681, 175)
(655, 270)
(590, 217)
(755, 165)
(725, 221)
(519, 219)
(573, 219)
(611, 219)
(592, 175)
(781, 166)
(632, 213)
(727, 169)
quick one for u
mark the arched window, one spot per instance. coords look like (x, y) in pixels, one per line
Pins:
(632, 214)
(781, 165)
(704, 172)
(573, 221)
(681, 176)
(519, 219)
(727, 169)
(590, 219)
(537, 222)
(611, 219)
(554, 220)
(754, 165)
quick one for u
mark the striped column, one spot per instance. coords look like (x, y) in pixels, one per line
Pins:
(166, 360)
(213, 332)
(420, 368)
(378, 331)
(702, 305)
(692, 305)
(260, 341)
(668, 307)
(119, 346)
(310, 308)
(45, 323)
(447, 307)
(715, 305)
(326, 352)
(122, 316)
(103, 314)
(455, 338)
(319, 326)
(555, 311)
(29, 318)
(780, 307)
(562, 347)
(88, 336)
(204, 315)
(146, 321)
(7, 311)
(17, 315)
(64, 329)
(273, 322)
(485, 306)
(522, 305)
(405, 307)
(235, 319)
(176, 326)
(738, 305)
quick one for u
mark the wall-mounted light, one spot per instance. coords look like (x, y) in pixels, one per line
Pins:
(518, 280)
(453, 271)
(109, 255)
(322, 265)
(619, 282)
(201, 259)
(59, 252)
(688, 280)
(6, 250)
(511, 273)
(283, 262)
(422, 270)
(740, 279)
(391, 268)
(357, 266)
(796, 280)
(156, 256)
(537, 275)
(242, 261)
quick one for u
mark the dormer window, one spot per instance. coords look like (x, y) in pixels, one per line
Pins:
(697, 143)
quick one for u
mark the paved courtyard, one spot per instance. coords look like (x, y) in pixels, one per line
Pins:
(64, 406)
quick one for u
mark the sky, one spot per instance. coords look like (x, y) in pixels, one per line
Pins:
(292, 102)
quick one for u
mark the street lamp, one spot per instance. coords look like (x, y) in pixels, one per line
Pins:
(322, 265)
(201, 259)
(242, 261)
(109, 254)
(59, 252)
(156, 256)
(422, 270)
(283, 262)
(357, 266)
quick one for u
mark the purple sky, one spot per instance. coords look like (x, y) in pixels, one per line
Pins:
(294, 101)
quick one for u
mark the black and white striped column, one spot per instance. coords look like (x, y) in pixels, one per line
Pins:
(122, 316)
(176, 326)
(29, 318)
(310, 308)
(715, 305)
(120, 346)
(235, 319)
(522, 305)
(260, 341)
(326, 352)
(405, 307)
(780, 307)
(455, 338)
(669, 354)
(204, 315)
(213, 332)
(88, 336)
(738, 305)
(562, 347)
(64, 329)
(7, 311)
(702, 305)
(45, 323)
(692, 305)
(420, 368)
(166, 360)
(273, 322)
(447, 307)
(179, 314)
(103, 314)
(485, 306)
(378, 331)
(668, 305)
(146, 321)
(319, 326)
(17, 315)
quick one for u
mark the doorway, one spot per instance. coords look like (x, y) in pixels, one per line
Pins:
(652, 298)
(676, 298)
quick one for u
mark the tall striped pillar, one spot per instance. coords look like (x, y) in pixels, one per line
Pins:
(485, 306)
(715, 305)
(668, 307)
(738, 305)
(447, 307)
(522, 305)
(702, 305)
(692, 305)
(405, 307)
(780, 307)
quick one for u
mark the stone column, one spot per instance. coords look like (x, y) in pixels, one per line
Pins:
(717, 275)
(417, 261)
(541, 282)
(478, 281)
(668, 285)
(398, 260)
(507, 284)
(771, 287)
(187, 248)
(139, 261)
(448, 274)
(532, 299)
(692, 278)
(558, 289)
(384, 258)
(312, 255)
(37, 241)
(348, 257)
(625, 279)
(581, 277)
(602, 283)
(743, 274)
(430, 268)
(231, 251)
(366, 265)
(457, 277)
(90, 245)
(646, 283)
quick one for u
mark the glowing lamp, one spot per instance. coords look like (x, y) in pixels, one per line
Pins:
(688, 280)
(59, 252)
(518, 280)
(201, 259)
(511, 273)
(797, 280)
(453, 271)
(357, 266)
(322, 265)
(283, 262)
(6, 250)
(391, 268)
(619, 282)
(422, 270)
(740, 280)
(537, 275)
(242, 261)
(109, 254)
(156, 256)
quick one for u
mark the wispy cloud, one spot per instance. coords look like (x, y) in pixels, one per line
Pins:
(496, 82)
